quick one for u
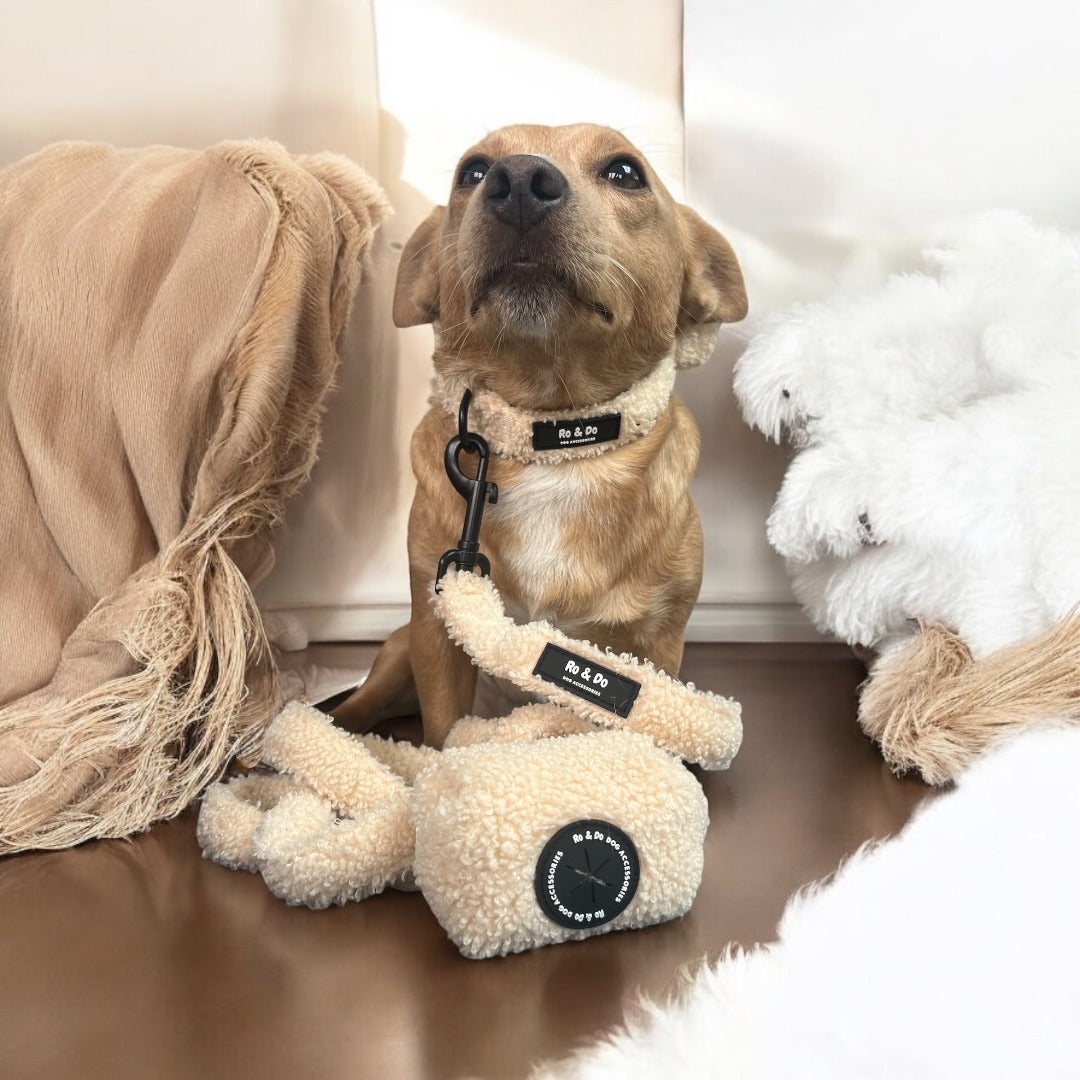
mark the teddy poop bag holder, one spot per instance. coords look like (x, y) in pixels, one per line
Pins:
(569, 817)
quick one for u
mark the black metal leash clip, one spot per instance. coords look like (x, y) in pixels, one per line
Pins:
(475, 491)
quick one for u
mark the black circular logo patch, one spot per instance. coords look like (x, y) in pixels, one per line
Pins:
(587, 874)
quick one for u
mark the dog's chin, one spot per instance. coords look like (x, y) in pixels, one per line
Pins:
(534, 311)
(531, 301)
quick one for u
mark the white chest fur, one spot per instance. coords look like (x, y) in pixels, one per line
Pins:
(554, 519)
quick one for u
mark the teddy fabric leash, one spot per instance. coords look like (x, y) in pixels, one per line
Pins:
(608, 689)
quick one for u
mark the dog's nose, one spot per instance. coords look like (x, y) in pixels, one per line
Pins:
(522, 188)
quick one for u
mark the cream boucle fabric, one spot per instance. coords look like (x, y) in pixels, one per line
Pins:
(698, 726)
(696, 344)
(338, 825)
(484, 814)
(231, 813)
(348, 815)
(308, 854)
(509, 430)
(537, 721)
(332, 826)
(328, 759)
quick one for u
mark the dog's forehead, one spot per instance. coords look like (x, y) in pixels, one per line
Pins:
(568, 144)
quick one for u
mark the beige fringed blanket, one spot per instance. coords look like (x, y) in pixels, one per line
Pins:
(168, 330)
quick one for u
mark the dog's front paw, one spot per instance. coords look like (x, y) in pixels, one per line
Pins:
(822, 508)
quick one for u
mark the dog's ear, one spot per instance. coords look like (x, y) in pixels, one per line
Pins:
(416, 293)
(713, 289)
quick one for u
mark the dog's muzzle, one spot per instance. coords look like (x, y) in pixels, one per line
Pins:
(522, 189)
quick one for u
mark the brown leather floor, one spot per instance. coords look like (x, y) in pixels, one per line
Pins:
(139, 959)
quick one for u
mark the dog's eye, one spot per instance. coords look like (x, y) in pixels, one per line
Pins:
(473, 172)
(623, 174)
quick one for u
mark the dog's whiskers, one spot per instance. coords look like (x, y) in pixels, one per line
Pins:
(562, 382)
(633, 280)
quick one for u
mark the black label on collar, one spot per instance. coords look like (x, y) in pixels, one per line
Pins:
(586, 680)
(559, 434)
(587, 874)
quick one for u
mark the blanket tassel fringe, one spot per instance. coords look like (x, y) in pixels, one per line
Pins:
(141, 747)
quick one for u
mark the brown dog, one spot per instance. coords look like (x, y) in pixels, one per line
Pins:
(559, 278)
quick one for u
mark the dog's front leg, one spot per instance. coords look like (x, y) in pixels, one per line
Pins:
(445, 676)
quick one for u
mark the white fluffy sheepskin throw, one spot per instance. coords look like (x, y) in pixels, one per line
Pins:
(938, 472)
(951, 951)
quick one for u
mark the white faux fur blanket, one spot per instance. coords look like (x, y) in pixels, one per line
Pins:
(951, 951)
(938, 472)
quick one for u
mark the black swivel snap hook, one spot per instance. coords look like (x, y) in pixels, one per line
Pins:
(474, 490)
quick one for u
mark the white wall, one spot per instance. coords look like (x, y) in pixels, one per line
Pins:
(827, 141)
(140, 71)
(823, 139)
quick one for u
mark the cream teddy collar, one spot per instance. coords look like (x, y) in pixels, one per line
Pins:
(542, 436)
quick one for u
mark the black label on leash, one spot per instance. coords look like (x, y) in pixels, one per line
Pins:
(587, 874)
(559, 434)
(589, 681)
